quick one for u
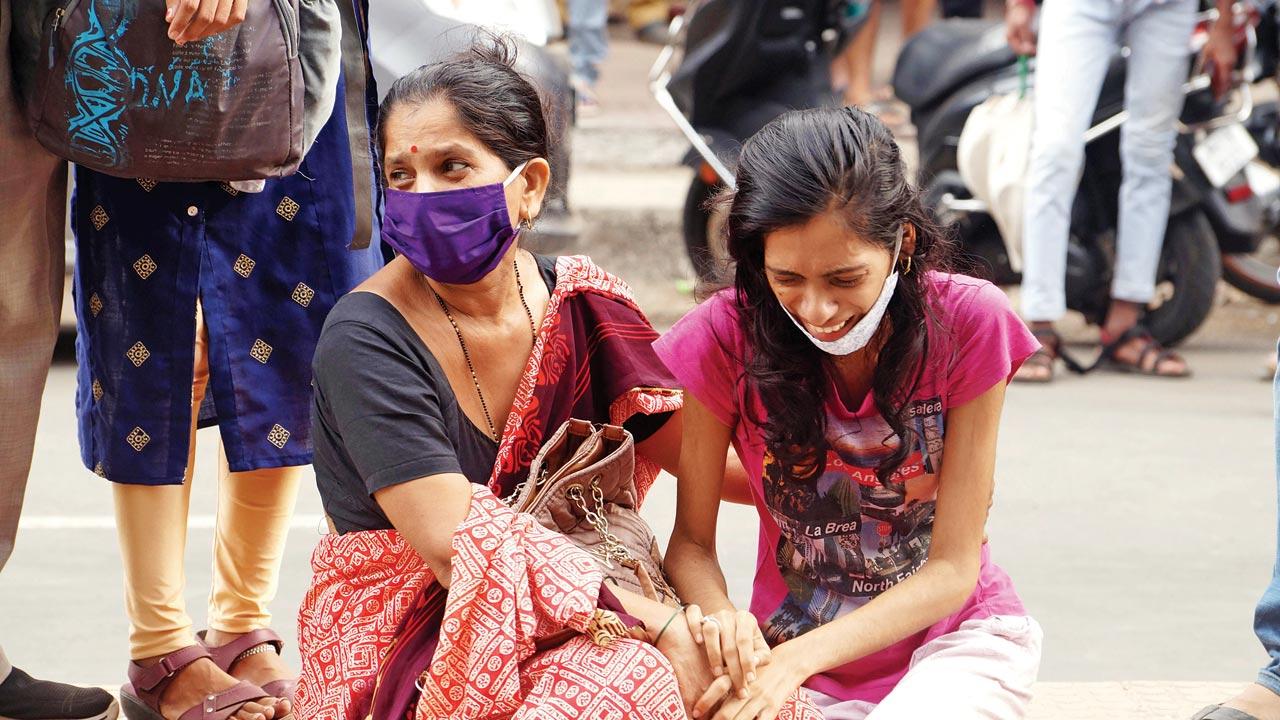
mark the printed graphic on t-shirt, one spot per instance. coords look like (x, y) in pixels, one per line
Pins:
(847, 536)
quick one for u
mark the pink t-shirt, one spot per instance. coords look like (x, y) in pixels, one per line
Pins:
(827, 547)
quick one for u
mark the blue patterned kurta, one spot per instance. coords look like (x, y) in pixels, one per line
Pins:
(267, 267)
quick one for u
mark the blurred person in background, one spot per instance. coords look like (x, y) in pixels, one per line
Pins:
(1077, 39)
(588, 46)
(852, 72)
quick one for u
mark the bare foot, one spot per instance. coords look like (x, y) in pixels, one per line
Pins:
(260, 668)
(202, 678)
(1258, 701)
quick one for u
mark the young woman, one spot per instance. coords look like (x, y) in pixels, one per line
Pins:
(437, 381)
(862, 388)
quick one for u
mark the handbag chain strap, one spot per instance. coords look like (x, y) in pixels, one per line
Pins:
(613, 548)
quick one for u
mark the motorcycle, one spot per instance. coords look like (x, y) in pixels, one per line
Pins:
(951, 67)
(742, 64)
(407, 34)
(1255, 272)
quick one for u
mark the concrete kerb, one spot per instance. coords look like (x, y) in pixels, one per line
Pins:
(1146, 700)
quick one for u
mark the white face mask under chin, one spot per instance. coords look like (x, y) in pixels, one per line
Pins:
(860, 334)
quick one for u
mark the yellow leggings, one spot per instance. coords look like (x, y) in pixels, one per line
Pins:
(254, 509)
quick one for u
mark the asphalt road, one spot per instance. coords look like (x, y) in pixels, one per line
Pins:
(1136, 516)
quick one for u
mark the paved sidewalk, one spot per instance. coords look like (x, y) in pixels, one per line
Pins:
(1126, 700)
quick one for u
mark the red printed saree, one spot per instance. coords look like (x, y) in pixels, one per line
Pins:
(374, 606)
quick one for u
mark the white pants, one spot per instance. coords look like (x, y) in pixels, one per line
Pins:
(1077, 40)
(985, 669)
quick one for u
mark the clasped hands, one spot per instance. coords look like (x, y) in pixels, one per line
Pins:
(725, 669)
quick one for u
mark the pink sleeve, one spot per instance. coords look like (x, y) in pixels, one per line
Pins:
(991, 342)
(703, 351)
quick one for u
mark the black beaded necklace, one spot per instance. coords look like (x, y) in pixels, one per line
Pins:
(466, 354)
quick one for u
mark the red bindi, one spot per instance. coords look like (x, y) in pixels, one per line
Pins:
(413, 148)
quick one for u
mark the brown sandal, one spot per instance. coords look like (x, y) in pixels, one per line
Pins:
(1050, 351)
(1150, 346)
(226, 656)
(140, 697)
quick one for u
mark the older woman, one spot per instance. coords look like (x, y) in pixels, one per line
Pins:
(437, 381)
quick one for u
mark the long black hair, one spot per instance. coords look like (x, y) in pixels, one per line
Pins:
(800, 166)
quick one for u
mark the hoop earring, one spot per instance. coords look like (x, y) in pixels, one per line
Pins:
(907, 262)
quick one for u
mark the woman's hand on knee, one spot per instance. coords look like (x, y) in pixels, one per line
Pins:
(733, 643)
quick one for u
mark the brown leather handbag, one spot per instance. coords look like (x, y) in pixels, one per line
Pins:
(110, 91)
(582, 485)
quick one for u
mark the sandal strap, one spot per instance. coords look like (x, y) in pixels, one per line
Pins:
(151, 679)
(1150, 345)
(1051, 343)
(226, 655)
(222, 705)
(1137, 331)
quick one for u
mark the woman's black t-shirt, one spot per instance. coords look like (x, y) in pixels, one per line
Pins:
(384, 413)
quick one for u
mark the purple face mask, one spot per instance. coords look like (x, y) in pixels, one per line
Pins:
(454, 237)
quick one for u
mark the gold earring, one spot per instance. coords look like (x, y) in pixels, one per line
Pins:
(907, 262)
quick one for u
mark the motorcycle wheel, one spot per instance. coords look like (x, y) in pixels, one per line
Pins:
(1190, 266)
(1255, 273)
(704, 237)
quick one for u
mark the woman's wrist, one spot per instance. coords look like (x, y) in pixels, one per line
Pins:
(793, 655)
(675, 613)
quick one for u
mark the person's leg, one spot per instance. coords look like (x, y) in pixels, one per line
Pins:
(915, 15)
(151, 523)
(33, 197)
(1075, 44)
(851, 70)
(588, 45)
(1262, 698)
(1157, 38)
(836, 709)
(1077, 39)
(254, 509)
(984, 669)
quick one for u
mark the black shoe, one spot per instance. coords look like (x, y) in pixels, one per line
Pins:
(655, 33)
(22, 697)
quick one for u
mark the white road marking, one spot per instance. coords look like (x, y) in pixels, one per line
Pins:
(300, 521)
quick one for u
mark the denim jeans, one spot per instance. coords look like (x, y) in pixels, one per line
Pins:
(1077, 41)
(1266, 618)
(588, 43)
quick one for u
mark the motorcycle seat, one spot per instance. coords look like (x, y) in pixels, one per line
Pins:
(946, 54)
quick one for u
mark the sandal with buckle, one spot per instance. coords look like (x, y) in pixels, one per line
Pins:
(252, 643)
(1051, 350)
(140, 697)
(1150, 347)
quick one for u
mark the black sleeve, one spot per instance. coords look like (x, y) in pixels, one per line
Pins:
(642, 427)
(384, 404)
